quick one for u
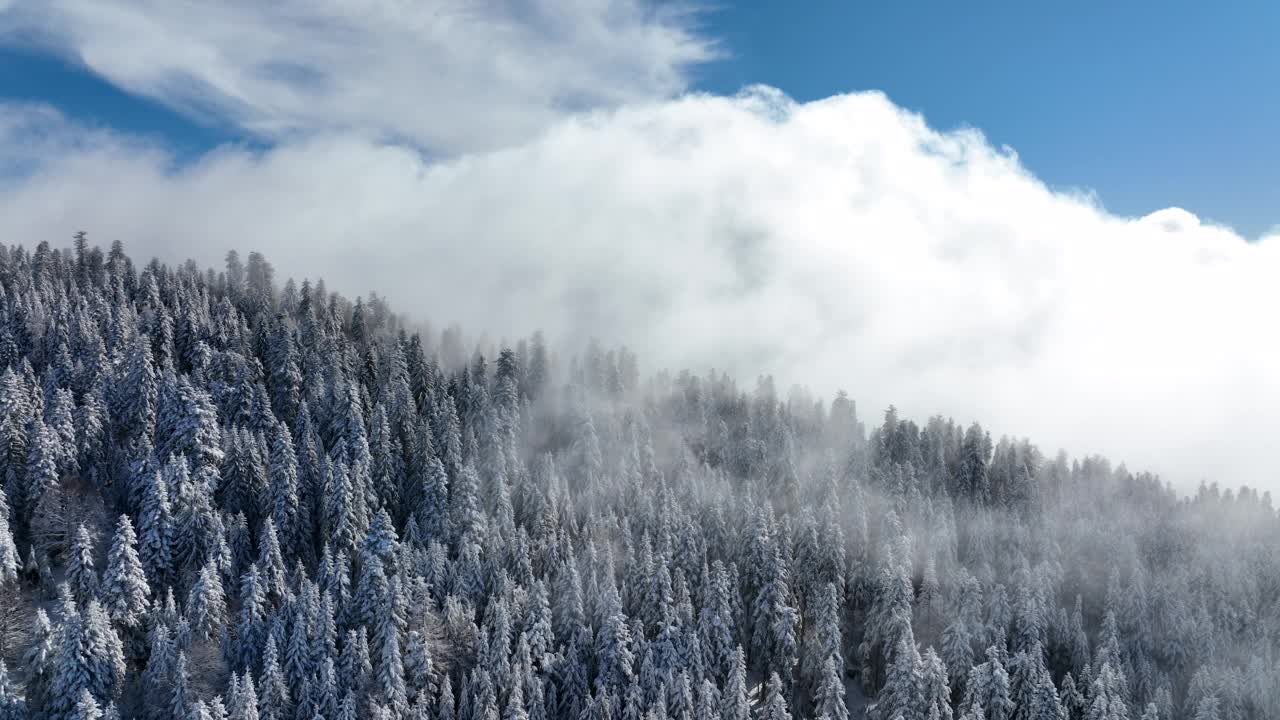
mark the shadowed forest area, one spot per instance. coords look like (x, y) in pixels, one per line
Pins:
(226, 497)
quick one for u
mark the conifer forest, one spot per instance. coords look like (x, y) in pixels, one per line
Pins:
(227, 497)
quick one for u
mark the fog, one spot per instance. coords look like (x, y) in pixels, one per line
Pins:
(841, 243)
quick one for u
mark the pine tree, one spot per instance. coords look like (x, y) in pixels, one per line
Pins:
(419, 668)
(324, 699)
(389, 676)
(48, 520)
(243, 700)
(715, 624)
(538, 626)
(81, 575)
(988, 688)
(613, 645)
(155, 546)
(972, 481)
(468, 581)
(736, 706)
(347, 708)
(445, 705)
(136, 393)
(187, 423)
(515, 708)
(194, 529)
(157, 678)
(829, 701)
(775, 704)
(12, 705)
(823, 641)
(181, 699)
(91, 432)
(1072, 701)
(271, 561)
(339, 509)
(125, 591)
(8, 549)
(207, 605)
(572, 682)
(903, 693)
(935, 690)
(86, 707)
(1107, 694)
(433, 506)
(200, 711)
(957, 649)
(466, 518)
(104, 653)
(774, 621)
(285, 374)
(40, 661)
(1025, 671)
(71, 669)
(283, 489)
(15, 415)
(250, 622)
(1047, 704)
(274, 699)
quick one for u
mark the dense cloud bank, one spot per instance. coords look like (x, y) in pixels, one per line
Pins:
(840, 244)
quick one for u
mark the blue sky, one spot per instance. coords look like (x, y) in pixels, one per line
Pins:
(27, 74)
(1150, 105)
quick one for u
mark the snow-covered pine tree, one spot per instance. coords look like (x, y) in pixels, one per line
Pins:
(207, 605)
(86, 707)
(125, 591)
(775, 701)
(735, 702)
(8, 548)
(829, 699)
(12, 705)
(935, 689)
(81, 575)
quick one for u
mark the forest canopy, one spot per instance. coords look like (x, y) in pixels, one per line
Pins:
(226, 497)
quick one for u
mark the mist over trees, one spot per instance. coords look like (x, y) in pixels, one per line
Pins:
(223, 497)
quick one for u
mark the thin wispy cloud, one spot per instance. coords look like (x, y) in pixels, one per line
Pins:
(447, 75)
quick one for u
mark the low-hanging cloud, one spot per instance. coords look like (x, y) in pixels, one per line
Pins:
(839, 244)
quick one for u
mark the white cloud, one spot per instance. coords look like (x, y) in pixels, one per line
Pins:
(839, 243)
(448, 75)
